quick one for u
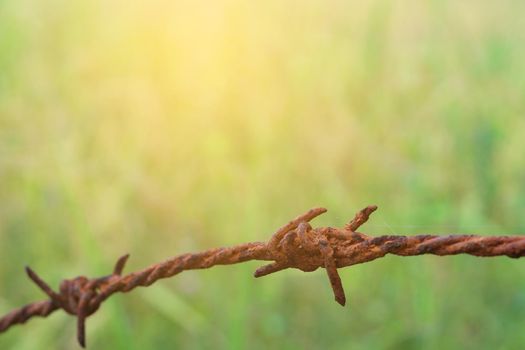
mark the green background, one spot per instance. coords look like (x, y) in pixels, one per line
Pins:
(163, 127)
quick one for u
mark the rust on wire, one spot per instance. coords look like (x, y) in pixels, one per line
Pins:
(294, 245)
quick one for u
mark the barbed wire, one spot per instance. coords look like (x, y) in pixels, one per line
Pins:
(294, 245)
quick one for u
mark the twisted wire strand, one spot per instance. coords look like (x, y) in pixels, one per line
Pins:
(294, 245)
(23, 314)
(481, 246)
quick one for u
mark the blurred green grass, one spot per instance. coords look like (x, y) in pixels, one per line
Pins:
(164, 127)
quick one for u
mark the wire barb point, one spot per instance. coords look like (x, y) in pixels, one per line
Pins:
(121, 263)
(360, 218)
(42, 285)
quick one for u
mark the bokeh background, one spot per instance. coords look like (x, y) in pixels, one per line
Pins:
(161, 127)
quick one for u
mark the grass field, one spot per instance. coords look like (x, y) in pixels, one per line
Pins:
(162, 127)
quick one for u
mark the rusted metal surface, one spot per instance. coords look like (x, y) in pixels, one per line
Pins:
(295, 245)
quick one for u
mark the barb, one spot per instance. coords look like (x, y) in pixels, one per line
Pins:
(295, 245)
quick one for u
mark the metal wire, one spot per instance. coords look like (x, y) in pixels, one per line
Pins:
(295, 245)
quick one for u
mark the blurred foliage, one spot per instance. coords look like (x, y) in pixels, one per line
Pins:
(162, 127)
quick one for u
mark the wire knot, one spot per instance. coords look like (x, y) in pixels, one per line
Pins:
(299, 246)
(80, 296)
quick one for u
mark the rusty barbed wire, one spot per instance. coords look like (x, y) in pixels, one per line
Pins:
(294, 245)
